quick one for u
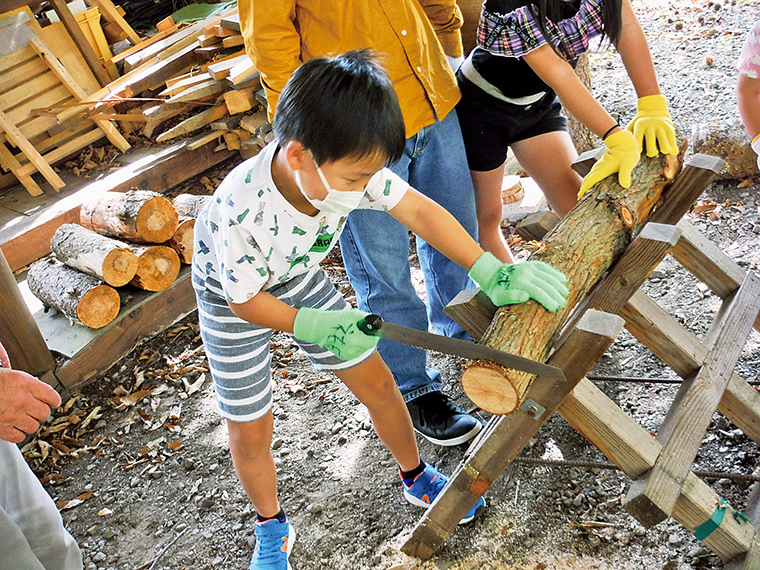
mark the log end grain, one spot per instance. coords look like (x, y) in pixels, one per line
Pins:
(157, 220)
(98, 307)
(119, 267)
(158, 267)
(182, 240)
(487, 385)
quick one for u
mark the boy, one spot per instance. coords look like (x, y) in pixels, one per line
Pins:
(256, 269)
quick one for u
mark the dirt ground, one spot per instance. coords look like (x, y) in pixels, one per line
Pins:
(139, 463)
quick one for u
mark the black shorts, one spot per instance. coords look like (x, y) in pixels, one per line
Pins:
(489, 125)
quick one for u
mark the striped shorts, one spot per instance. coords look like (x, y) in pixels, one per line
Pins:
(239, 352)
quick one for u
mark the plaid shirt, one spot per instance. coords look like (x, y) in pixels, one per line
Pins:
(517, 33)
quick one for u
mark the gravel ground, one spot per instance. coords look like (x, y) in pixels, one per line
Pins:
(142, 468)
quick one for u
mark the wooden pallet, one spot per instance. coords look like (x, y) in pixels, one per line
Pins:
(663, 484)
(33, 78)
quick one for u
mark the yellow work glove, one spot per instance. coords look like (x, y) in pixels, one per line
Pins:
(622, 154)
(652, 125)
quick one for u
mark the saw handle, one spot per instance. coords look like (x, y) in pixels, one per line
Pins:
(371, 325)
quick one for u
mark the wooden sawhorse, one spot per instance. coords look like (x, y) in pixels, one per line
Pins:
(663, 484)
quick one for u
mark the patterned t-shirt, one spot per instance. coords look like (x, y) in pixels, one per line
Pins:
(250, 238)
(749, 60)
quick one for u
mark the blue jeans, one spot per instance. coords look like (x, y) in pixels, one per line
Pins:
(375, 250)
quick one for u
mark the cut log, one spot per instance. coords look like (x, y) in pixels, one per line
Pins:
(157, 267)
(94, 254)
(80, 297)
(138, 215)
(587, 241)
(728, 140)
(188, 207)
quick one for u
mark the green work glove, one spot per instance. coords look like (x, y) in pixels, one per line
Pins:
(507, 284)
(334, 330)
(652, 125)
(621, 156)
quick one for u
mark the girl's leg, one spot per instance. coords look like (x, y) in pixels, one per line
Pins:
(372, 383)
(250, 446)
(547, 159)
(488, 206)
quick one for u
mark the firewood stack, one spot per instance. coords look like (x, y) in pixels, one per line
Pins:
(136, 238)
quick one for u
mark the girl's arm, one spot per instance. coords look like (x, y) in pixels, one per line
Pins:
(748, 100)
(561, 77)
(634, 51)
(433, 223)
(266, 310)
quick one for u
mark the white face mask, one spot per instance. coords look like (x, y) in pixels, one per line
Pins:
(336, 201)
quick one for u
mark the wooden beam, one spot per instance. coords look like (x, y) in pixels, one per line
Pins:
(194, 123)
(19, 334)
(9, 162)
(505, 436)
(15, 136)
(93, 62)
(652, 498)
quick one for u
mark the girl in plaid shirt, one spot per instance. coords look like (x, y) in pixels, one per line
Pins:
(514, 82)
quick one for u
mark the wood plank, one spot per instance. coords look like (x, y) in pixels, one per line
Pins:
(212, 136)
(241, 100)
(144, 43)
(67, 149)
(110, 12)
(21, 113)
(27, 72)
(81, 42)
(194, 123)
(186, 83)
(652, 498)
(630, 446)
(160, 170)
(19, 334)
(233, 41)
(15, 58)
(137, 322)
(220, 70)
(108, 128)
(28, 91)
(683, 352)
(10, 162)
(198, 91)
(231, 22)
(14, 135)
(506, 436)
(63, 47)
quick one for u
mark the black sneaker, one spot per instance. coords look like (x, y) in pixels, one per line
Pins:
(441, 421)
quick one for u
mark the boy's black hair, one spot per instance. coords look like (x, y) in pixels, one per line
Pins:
(556, 10)
(343, 106)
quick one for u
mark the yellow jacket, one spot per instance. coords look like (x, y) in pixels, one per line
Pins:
(407, 35)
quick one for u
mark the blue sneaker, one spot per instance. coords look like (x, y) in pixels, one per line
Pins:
(274, 541)
(426, 487)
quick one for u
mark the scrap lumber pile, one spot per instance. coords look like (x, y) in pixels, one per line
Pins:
(59, 94)
(134, 238)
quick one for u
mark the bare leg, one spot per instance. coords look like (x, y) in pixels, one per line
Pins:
(488, 185)
(547, 159)
(250, 446)
(372, 383)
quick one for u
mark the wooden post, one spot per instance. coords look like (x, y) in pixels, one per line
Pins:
(507, 435)
(19, 333)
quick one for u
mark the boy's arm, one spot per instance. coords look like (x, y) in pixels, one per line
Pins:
(433, 223)
(272, 42)
(446, 18)
(266, 310)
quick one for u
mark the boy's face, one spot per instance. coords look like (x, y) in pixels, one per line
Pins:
(345, 175)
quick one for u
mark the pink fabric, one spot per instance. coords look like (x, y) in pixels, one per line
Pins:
(749, 60)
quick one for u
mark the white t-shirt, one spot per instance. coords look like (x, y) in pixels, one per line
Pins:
(250, 238)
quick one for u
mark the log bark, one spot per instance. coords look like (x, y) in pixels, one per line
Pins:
(80, 297)
(188, 207)
(586, 242)
(141, 216)
(94, 254)
(157, 267)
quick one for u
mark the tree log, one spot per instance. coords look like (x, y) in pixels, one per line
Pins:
(188, 207)
(141, 216)
(94, 254)
(157, 267)
(80, 297)
(586, 242)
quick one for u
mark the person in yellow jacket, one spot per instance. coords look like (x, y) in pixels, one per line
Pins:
(419, 44)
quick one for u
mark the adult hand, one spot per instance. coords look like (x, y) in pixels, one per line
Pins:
(335, 331)
(507, 284)
(25, 402)
(621, 156)
(652, 126)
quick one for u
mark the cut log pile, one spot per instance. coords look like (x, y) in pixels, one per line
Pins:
(136, 238)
